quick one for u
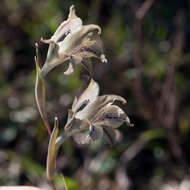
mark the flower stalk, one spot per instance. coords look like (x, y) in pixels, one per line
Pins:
(91, 116)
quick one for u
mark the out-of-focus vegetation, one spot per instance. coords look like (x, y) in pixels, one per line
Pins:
(147, 46)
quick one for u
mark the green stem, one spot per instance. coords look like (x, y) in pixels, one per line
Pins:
(53, 148)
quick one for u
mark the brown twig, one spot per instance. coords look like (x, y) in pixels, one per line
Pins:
(144, 8)
(169, 85)
(168, 101)
(138, 60)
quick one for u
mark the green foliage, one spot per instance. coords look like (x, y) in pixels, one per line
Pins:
(67, 182)
(23, 141)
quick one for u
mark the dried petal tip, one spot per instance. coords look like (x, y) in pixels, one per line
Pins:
(90, 28)
(55, 119)
(45, 41)
(69, 70)
(119, 98)
(128, 122)
(103, 58)
(72, 12)
(36, 58)
(36, 45)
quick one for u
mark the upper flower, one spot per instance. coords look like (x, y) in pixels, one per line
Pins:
(73, 43)
(96, 114)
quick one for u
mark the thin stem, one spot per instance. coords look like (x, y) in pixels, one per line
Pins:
(40, 92)
(53, 148)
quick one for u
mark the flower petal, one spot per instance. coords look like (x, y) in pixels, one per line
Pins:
(52, 59)
(72, 42)
(90, 44)
(111, 116)
(76, 125)
(102, 101)
(70, 69)
(95, 132)
(113, 135)
(89, 95)
(81, 138)
(70, 115)
(71, 25)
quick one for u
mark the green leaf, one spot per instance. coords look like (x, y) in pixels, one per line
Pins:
(40, 92)
(32, 167)
(67, 182)
(153, 134)
(52, 152)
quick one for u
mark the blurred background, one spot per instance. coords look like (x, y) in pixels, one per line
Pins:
(147, 44)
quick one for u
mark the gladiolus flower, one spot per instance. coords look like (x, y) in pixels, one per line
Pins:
(96, 114)
(73, 43)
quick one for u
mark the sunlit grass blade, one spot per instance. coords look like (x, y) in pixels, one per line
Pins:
(64, 181)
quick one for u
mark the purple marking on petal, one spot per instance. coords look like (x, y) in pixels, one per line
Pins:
(83, 105)
(109, 116)
(86, 49)
(63, 36)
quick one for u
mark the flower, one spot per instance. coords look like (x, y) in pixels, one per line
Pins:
(90, 113)
(73, 43)
(95, 114)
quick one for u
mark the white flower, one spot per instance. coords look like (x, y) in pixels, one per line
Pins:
(73, 43)
(97, 114)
